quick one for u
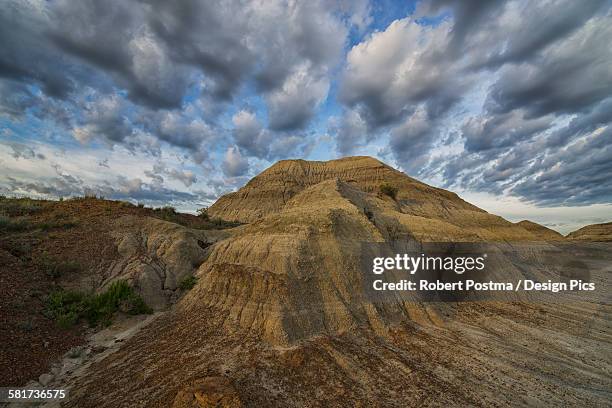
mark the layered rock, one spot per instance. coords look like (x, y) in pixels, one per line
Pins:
(155, 255)
(429, 213)
(540, 231)
(279, 315)
(593, 233)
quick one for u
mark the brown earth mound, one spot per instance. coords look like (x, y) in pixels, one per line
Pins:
(540, 231)
(426, 212)
(593, 233)
(279, 310)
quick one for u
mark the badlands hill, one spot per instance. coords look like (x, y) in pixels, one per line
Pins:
(419, 210)
(594, 233)
(279, 315)
(542, 232)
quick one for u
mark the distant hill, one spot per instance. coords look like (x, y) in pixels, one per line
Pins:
(541, 231)
(594, 233)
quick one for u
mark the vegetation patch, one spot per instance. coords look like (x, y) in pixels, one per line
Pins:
(17, 207)
(10, 225)
(389, 190)
(70, 307)
(47, 226)
(188, 282)
(203, 213)
(54, 269)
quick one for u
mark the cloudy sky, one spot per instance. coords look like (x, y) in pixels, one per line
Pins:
(508, 103)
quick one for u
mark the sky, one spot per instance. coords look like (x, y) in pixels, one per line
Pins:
(507, 103)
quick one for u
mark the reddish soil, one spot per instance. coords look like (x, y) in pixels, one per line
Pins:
(72, 231)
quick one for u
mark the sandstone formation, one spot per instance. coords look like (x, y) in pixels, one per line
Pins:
(280, 308)
(155, 255)
(593, 233)
(425, 212)
(540, 231)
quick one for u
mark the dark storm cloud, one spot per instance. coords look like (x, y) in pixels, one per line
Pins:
(467, 14)
(351, 132)
(519, 144)
(159, 170)
(501, 131)
(589, 121)
(568, 77)
(254, 140)
(25, 54)
(412, 140)
(524, 28)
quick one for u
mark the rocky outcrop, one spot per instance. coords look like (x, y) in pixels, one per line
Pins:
(280, 309)
(593, 233)
(272, 189)
(427, 212)
(155, 255)
(296, 273)
(540, 231)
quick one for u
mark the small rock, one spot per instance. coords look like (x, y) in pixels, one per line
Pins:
(45, 379)
(208, 392)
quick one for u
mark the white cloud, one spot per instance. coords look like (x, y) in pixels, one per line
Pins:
(234, 164)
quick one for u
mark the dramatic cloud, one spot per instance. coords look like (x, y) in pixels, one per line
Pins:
(255, 140)
(351, 132)
(234, 164)
(393, 72)
(505, 97)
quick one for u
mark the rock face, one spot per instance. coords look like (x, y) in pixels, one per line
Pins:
(294, 271)
(593, 233)
(540, 231)
(426, 212)
(279, 308)
(155, 255)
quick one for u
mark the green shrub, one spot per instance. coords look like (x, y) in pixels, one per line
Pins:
(9, 225)
(389, 190)
(47, 226)
(68, 307)
(65, 307)
(188, 282)
(203, 213)
(221, 223)
(16, 207)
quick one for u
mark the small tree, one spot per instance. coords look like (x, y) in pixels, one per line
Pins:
(389, 190)
(203, 213)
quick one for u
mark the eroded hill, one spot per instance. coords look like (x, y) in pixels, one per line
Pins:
(279, 316)
(593, 233)
(425, 212)
(82, 246)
